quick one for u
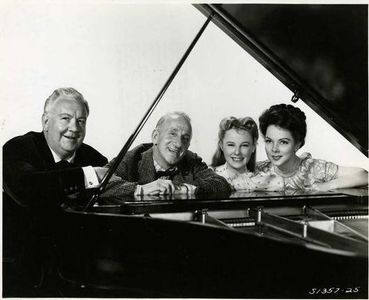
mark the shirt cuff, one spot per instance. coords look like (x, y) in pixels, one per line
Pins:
(91, 179)
(138, 191)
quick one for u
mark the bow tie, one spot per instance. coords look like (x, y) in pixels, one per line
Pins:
(169, 174)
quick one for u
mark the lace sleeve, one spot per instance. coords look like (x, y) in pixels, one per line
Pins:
(319, 170)
(331, 171)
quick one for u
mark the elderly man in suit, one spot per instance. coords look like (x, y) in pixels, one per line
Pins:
(41, 167)
(166, 166)
(39, 170)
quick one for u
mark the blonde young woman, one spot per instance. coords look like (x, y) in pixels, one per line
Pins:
(235, 157)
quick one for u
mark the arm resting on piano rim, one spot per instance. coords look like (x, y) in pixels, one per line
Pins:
(209, 183)
(193, 171)
(31, 175)
(347, 177)
(206, 182)
(35, 188)
(137, 168)
(32, 188)
(252, 182)
(163, 186)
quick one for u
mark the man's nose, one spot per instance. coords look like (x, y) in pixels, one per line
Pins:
(73, 125)
(178, 142)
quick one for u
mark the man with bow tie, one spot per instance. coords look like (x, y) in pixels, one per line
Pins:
(40, 168)
(166, 166)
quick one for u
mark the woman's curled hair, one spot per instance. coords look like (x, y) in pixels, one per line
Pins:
(287, 117)
(247, 124)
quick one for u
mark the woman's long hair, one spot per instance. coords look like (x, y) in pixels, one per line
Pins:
(247, 124)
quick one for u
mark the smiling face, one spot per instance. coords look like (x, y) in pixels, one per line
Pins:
(237, 146)
(64, 126)
(280, 147)
(171, 141)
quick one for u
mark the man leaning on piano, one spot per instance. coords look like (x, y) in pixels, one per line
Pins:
(166, 166)
(41, 167)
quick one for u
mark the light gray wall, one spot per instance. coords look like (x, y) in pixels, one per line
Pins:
(119, 56)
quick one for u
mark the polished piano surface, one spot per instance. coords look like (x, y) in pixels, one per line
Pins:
(298, 216)
(244, 246)
(341, 214)
(295, 244)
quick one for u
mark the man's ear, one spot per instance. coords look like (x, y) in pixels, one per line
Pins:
(45, 122)
(155, 136)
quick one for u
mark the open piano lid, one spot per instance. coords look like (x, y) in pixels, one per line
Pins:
(191, 258)
(318, 51)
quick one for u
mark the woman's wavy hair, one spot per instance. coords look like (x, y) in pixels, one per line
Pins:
(287, 117)
(247, 124)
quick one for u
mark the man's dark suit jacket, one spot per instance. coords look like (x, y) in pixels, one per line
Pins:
(31, 176)
(137, 167)
(34, 188)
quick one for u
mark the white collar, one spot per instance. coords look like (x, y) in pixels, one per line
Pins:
(57, 158)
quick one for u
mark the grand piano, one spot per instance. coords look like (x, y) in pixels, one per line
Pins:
(248, 245)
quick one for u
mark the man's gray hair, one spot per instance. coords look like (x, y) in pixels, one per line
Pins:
(68, 91)
(173, 114)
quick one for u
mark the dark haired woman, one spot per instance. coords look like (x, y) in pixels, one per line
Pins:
(284, 129)
(235, 156)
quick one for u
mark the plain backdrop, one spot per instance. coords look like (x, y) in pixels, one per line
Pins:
(119, 55)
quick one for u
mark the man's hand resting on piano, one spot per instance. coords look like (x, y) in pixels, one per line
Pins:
(158, 187)
(166, 187)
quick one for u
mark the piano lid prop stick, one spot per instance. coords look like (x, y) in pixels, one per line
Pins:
(130, 140)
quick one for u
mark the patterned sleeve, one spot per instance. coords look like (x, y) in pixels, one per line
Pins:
(331, 171)
(320, 170)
